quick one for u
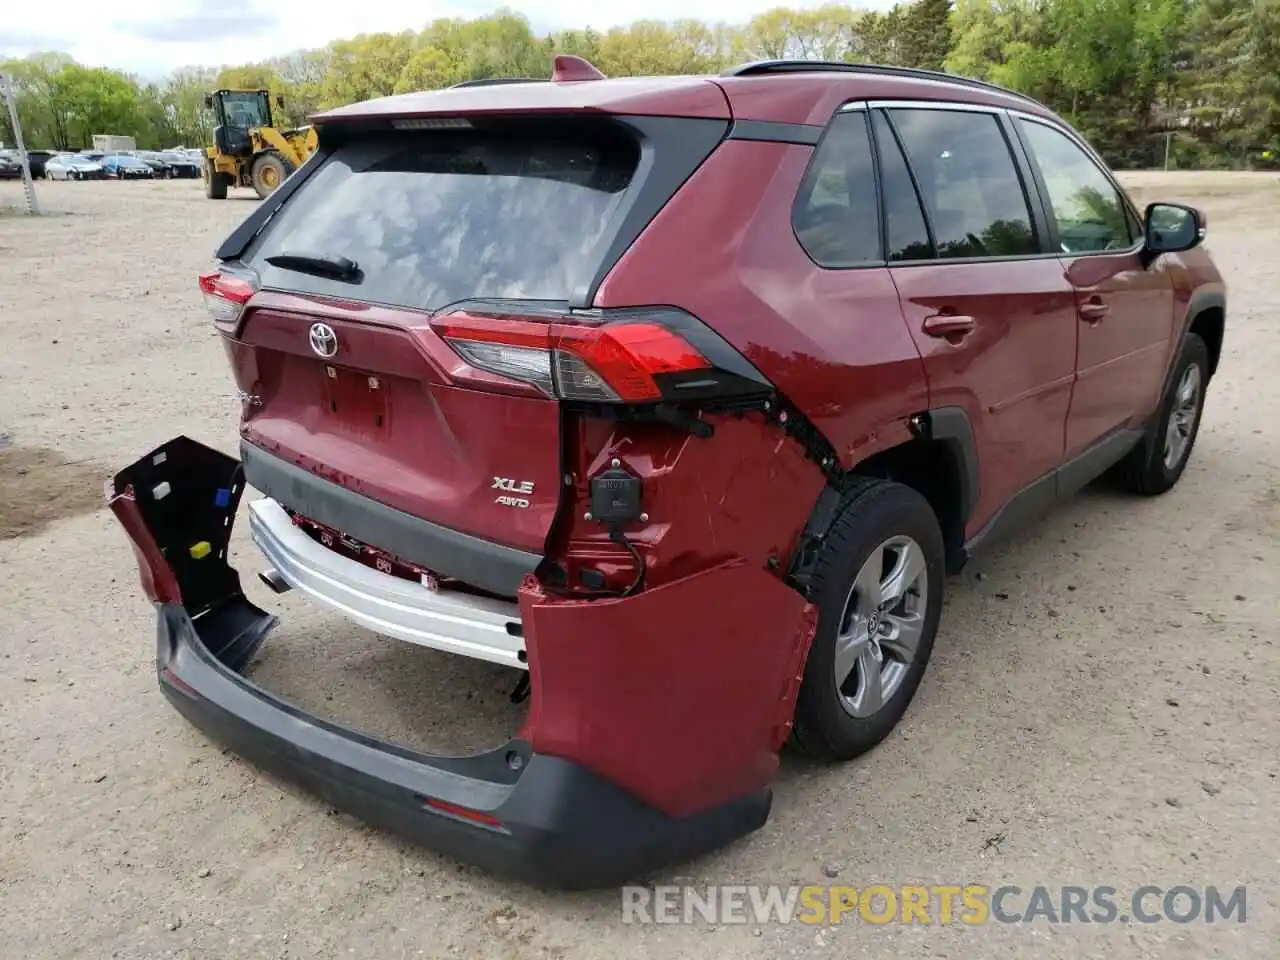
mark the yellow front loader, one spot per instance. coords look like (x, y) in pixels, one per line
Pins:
(248, 151)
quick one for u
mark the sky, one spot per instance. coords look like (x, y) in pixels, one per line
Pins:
(151, 39)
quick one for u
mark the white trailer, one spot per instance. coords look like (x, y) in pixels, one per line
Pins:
(110, 143)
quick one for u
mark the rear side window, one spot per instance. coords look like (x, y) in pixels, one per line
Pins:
(835, 217)
(1089, 212)
(433, 218)
(971, 187)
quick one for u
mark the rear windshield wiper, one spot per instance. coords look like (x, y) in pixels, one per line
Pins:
(342, 269)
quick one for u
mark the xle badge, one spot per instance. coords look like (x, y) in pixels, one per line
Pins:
(510, 487)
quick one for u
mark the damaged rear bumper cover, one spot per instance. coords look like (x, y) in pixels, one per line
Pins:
(541, 818)
(550, 822)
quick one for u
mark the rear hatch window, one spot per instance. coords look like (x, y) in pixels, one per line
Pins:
(522, 211)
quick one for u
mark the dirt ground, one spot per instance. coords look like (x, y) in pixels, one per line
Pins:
(1102, 707)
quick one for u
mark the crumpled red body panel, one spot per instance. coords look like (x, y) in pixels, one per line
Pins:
(158, 580)
(679, 694)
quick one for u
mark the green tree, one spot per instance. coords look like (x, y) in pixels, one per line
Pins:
(979, 36)
(41, 104)
(366, 66)
(1264, 102)
(783, 34)
(430, 68)
(501, 45)
(1219, 72)
(873, 37)
(580, 43)
(189, 122)
(302, 74)
(654, 47)
(96, 101)
(925, 34)
(251, 76)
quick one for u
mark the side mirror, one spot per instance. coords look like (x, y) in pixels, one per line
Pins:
(280, 101)
(208, 103)
(1173, 227)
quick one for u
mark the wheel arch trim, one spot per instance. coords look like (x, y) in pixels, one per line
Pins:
(949, 426)
(1200, 302)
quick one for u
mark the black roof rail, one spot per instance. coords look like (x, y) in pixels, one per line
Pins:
(497, 81)
(763, 67)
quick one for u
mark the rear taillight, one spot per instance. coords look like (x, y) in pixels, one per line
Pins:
(225, 297)
(632, 356)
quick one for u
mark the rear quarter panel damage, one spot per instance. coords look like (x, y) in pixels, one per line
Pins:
(742, 494)
(681, 694)
(684, 693)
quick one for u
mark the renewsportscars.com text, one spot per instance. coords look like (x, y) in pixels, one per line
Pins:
(971, 904)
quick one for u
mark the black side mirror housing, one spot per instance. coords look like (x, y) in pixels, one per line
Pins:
(208, 102)
(1172, 228)
(280, 101)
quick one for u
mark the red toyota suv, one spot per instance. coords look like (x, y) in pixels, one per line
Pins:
(680, 396)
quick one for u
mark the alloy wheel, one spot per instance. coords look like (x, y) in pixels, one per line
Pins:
(881, 626)
(1182, 417)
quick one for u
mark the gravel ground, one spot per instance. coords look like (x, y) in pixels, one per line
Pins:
(1101, 708)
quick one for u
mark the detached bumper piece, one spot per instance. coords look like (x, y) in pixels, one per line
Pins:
(540, 818)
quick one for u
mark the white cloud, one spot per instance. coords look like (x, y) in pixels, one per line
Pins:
(215, 32)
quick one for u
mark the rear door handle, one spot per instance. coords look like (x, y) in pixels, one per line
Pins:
(1094, 310)
(949, 326)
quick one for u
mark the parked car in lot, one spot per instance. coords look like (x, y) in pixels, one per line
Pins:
(681, 396)
(161, 169)
(73, 166)
(180, 165)
(190, 153)
(10, 166)
(123, 166)
(37, 159)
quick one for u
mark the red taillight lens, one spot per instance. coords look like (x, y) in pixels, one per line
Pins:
(604, 362)
(225, 297)
(626, 356)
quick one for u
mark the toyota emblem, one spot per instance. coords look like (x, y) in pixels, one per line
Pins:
(323, 340)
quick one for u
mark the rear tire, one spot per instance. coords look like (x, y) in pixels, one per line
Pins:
(270, 169)
(877, 584)
(215, 184)
(1156, 464)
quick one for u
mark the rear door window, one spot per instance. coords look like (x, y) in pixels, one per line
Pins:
(434, 218)
(966, 172)
(905, 226)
